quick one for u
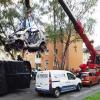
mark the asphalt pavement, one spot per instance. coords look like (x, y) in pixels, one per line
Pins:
(30, 94)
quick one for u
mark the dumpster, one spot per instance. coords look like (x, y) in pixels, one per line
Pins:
(14, 75)
(3, 85)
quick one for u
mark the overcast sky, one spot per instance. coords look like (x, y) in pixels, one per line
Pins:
(96, 36)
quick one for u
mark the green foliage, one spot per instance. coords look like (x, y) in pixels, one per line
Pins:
(55, 12)
(8, 16)
(96, 96)
(51, 34)
(10, 13)
(88, 3)
(5, 2)
(89, 26)
(59, 22)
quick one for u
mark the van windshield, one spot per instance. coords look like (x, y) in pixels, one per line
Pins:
(84, 74)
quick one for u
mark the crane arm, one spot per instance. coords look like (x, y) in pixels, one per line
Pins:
(80, 30)
(27, 3)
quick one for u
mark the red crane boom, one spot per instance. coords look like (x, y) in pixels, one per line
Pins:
(80, 30)
(94, 60)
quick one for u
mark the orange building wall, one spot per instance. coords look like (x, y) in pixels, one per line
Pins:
(59, 46)
(75, 55)
(73, 60)
(50, 55)
(30, 57)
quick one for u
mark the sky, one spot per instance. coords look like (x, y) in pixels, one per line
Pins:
(96, 16)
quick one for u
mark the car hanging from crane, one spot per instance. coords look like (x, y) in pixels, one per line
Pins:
(26, 38)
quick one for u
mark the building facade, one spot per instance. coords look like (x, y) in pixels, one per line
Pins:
(46, 61)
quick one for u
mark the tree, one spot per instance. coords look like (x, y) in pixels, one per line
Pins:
(5, 2)
(86, 6)
(60, 23)
(8, 16)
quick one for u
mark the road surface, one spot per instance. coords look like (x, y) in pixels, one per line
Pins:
(30, 94)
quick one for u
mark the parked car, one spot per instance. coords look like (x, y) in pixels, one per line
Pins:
(34, 72)
(56, 82)
(89, 78)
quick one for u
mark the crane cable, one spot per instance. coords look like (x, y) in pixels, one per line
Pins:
(29, 15)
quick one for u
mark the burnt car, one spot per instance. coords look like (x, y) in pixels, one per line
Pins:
(26, 39)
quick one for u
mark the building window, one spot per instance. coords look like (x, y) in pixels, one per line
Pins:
(70, 76)
(38, 66)
(38, 55)
(47, 52)
(56, 51)
(46, 64)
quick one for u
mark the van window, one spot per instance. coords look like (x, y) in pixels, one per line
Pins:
(84, 74)
(70, 76)
(58, 75)
(42, 75)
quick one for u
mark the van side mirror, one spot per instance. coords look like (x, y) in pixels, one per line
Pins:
(74, 77)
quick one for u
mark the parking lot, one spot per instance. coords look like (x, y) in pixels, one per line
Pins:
(30, 94)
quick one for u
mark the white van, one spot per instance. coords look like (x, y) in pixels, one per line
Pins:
(56, 82)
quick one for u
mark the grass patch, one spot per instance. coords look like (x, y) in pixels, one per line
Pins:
(95, 96)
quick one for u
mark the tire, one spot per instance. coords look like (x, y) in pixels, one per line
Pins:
(98, 82)
(7, 48)
(40, 94)
(78, 88)
(90, 84)
(56, 92)
(19, 44)
(32, 49)
(42, 47)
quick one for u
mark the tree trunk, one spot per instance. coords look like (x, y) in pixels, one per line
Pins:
(55, 55)
(12, 56)
(65, 51)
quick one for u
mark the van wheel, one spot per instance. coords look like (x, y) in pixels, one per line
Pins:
(56, 92)
(78, 87)
(40, 94)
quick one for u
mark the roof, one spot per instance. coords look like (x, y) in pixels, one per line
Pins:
(98, 48)
(85, 50)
